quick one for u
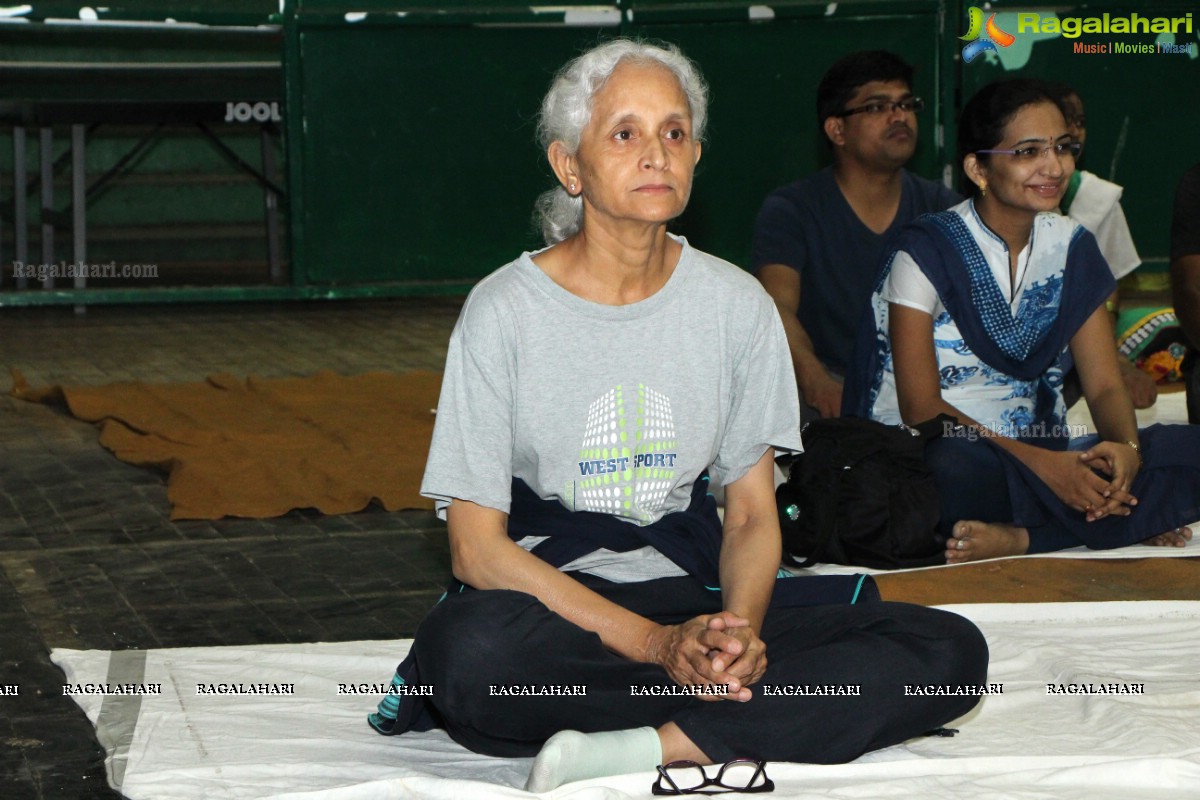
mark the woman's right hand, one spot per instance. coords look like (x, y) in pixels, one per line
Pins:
(686, 652)
(1077, 485)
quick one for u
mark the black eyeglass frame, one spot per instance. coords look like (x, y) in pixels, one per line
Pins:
(914, 104)
(760, 769)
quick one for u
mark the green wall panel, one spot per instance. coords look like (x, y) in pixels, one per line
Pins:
(419, 160)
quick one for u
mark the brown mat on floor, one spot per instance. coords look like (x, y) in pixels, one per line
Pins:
(1047, 580)
(262, 447)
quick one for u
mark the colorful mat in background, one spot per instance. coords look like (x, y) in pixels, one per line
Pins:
(1150, 337)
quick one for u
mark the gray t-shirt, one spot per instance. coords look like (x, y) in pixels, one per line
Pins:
(615, 409)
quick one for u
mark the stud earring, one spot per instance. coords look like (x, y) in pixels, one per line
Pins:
(571, 188)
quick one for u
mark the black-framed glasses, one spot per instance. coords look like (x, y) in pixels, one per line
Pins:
(909, 104)
(1060, 150)
(688, 777)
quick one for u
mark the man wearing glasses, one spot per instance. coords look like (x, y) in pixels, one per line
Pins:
(818, 241)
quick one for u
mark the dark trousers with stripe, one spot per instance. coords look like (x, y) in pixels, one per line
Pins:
(479, 639)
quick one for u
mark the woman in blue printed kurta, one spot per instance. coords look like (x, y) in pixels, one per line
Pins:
(977, 313)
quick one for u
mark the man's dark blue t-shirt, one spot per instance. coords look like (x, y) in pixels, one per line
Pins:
(809, 226)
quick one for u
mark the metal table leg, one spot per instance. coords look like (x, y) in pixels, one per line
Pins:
(47, 164)
(271, 200)
(79, 207)
(20, 204)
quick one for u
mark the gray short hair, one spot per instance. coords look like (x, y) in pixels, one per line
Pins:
(567, 108)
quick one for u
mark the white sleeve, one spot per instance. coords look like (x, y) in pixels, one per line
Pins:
(906, 285)
(1116, 243)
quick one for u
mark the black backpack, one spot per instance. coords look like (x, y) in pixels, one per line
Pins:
(860, 494)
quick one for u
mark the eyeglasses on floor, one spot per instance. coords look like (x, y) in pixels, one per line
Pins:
(744, 775)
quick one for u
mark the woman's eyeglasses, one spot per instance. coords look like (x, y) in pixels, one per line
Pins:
(1060, 150)
(909, 105)
(688, 777)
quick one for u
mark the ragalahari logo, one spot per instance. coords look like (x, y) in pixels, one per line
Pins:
(982, 37)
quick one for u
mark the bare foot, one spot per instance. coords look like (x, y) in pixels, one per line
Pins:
(975, 541)
(1176, 538)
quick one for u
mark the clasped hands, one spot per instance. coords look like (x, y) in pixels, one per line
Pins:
(1076, 478)
(711, 649)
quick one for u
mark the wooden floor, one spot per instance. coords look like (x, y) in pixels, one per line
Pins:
(1047, 580)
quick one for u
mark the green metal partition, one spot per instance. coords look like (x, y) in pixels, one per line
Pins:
(413, 157)
(416, 157)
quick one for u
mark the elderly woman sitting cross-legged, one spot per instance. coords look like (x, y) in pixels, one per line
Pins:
(590, 388)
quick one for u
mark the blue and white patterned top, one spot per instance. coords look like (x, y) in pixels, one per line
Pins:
(1014, 312)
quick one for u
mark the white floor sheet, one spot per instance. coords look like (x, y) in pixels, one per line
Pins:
(1024, 743)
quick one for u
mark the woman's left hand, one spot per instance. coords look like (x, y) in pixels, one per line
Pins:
(748, 665)
(1120, 462)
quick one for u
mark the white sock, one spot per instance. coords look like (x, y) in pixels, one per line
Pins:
(573, 756)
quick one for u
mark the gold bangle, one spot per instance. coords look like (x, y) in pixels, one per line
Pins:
(1136, 448)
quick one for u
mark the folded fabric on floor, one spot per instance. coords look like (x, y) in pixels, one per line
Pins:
(1091, 701)
(261, 447)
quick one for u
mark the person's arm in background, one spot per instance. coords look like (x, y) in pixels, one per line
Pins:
(1143, 389)
(1116, 243)
(817, 387)
(1185, 295)
(1185, 255)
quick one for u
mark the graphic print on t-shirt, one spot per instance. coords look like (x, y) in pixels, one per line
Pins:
(627, 460)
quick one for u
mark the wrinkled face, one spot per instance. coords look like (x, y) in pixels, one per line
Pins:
(636, 156)
(884, 139)
(1029, 184)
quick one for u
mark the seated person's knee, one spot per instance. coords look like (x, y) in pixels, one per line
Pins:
(473, 634)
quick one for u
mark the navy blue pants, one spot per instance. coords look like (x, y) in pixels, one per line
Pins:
(978, 481)
(479, 638)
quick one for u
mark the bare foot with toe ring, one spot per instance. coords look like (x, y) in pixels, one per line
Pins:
(975, 541)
